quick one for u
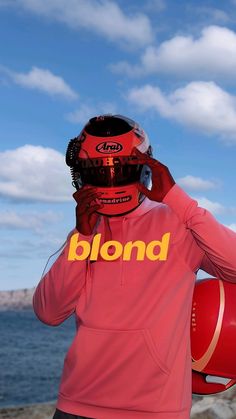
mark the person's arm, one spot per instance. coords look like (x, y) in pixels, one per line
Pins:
(215, 249)
(56, 296)
(217, 242)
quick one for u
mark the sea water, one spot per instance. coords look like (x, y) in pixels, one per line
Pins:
(31, 357)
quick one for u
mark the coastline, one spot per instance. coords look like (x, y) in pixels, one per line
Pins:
(20, 299)
(30, 411)
(218, 406)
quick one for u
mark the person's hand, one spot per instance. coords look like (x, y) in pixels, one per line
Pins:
(162, 181)
(87, 199)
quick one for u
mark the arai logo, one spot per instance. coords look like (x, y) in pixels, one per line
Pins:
(109, 147)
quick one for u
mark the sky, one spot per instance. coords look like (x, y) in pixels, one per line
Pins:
(168, 65)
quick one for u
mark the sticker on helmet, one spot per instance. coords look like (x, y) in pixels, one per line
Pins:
(109, 147)
(115, 200)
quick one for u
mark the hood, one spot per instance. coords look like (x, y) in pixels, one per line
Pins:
(106, 222)
(143, 208)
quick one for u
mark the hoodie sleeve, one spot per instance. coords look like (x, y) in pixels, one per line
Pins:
(56, 296)
(217, 242)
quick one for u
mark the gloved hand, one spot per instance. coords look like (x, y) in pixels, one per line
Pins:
(87, 203)
(162, 181)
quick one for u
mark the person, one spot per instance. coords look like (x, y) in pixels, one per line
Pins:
(131, 292)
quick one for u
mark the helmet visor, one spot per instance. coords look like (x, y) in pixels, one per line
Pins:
(107, 176)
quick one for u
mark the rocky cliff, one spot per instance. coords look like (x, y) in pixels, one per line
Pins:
(16, 299)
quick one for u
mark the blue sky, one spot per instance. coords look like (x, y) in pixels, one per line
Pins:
(169, 65)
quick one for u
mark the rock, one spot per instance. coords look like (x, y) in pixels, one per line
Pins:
(218, 406)
(213, 409)
(34, 411)
(17, 299)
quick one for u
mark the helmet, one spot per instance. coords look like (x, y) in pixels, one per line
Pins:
(213, 336)
(101, 156)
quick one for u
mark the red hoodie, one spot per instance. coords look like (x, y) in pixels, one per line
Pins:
(131, 355)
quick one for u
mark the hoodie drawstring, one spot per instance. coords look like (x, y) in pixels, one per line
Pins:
(107, 229)
(122, 279)
(107, 235)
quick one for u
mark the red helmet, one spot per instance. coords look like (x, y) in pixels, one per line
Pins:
(213, 336)
(100, 156)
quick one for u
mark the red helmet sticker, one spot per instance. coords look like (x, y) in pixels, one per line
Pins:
(107, 147)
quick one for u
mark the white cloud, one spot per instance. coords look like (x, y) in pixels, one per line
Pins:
(212, 13)
(155, 5)
(104, 17)
(214, 207)
(6, 3)
(195, 183)
(44, 80)
(232, 226)
(31, 246)
(211, 55)
(27, 221)
(81, 115)
(35, 173)
(124, 68)
(85, 112)
(203, 106)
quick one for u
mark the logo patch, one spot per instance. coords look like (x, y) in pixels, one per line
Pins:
(107, 147)
(115, 200)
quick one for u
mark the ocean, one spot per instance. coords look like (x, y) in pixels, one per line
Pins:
(31, 357)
